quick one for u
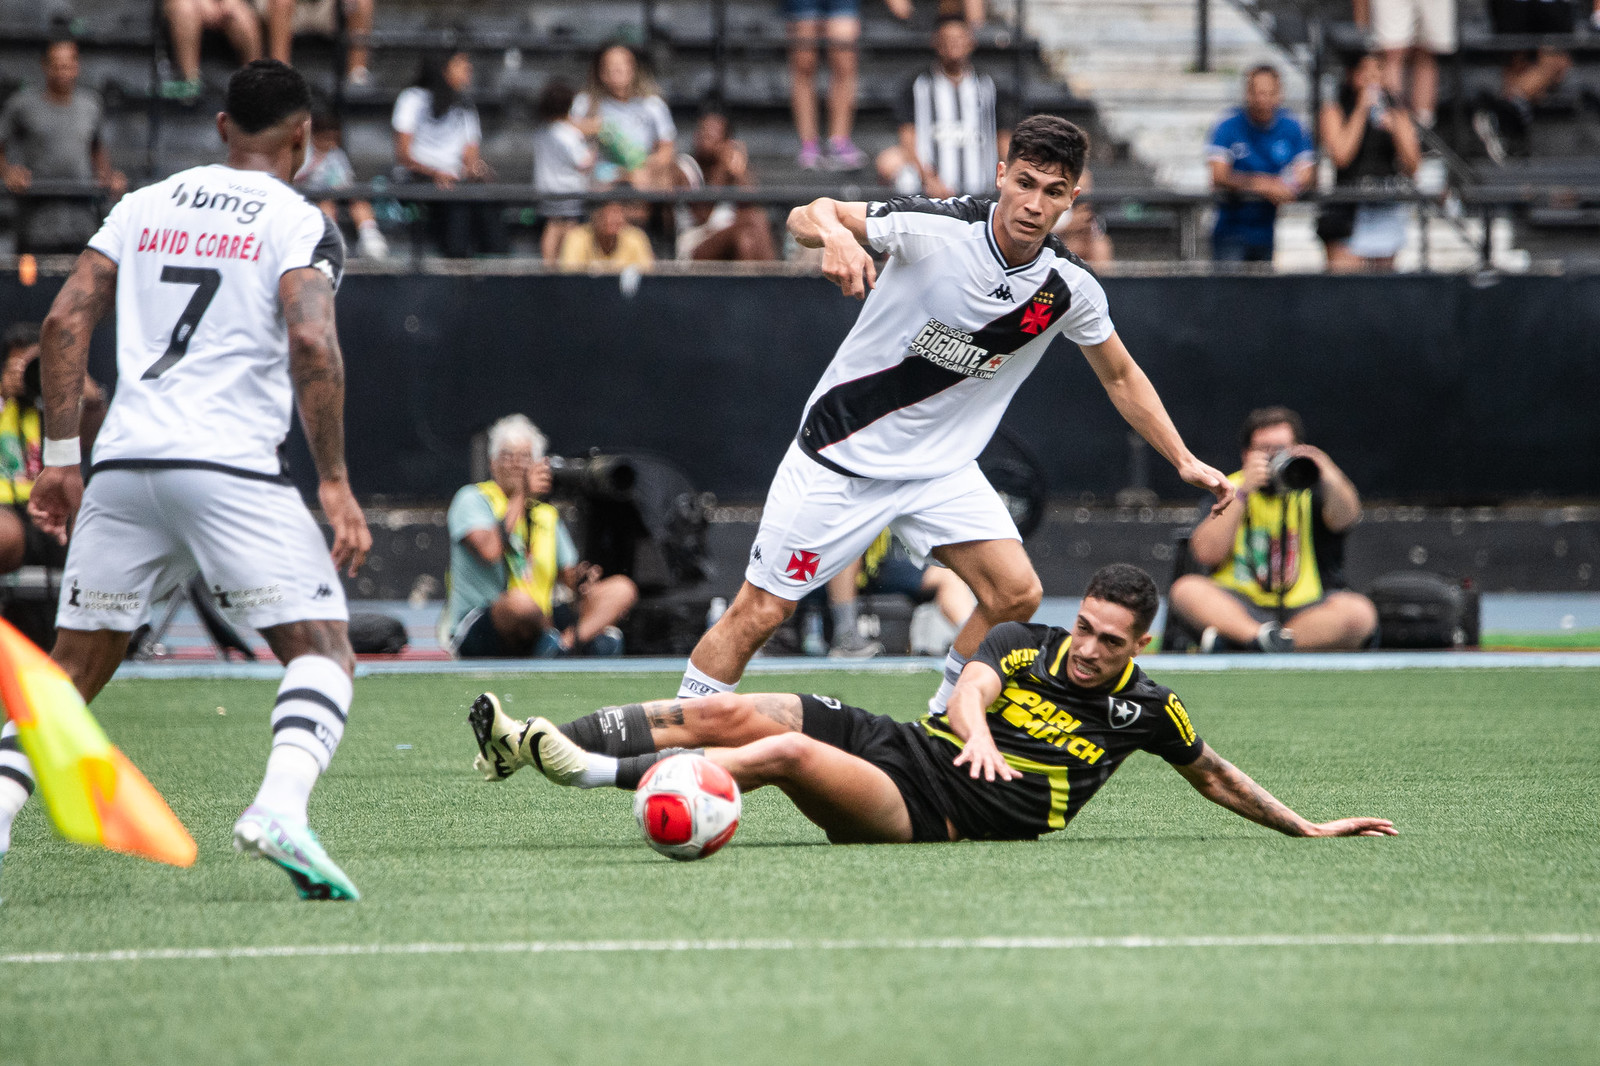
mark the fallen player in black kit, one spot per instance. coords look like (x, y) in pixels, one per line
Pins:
(1039, 721)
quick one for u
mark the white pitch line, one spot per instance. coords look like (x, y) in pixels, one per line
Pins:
(993, 943)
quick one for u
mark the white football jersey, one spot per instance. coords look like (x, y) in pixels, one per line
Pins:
(202, 346)
(943, 342)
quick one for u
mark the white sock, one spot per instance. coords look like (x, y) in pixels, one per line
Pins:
(16, 782)
(307, 720)
(953, 662)
(697, 683)
(602, 770)
(291, 773)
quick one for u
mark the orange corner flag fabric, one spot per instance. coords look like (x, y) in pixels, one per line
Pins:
(93, 793)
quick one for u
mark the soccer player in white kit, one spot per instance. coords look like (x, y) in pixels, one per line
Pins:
(972, 294)
(223, 281)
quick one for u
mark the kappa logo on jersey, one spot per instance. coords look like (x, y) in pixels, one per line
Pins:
(802, 565)
(951, 349)
(244, 211)
(323, 592)
(755, 553)
(1002, 292)
(1123, 712)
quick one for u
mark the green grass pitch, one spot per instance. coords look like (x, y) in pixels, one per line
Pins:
(1490, 775)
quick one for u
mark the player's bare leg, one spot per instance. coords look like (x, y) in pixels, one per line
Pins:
(1343, 621)
(1001, 576)
(722, 654)
(852, 801)
(89, 658)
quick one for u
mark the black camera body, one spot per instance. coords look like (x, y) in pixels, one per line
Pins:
(606, 477)
(1288, 473)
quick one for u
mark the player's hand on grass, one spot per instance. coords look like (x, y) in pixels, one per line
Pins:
(53, 505)
(983, 759)
(1355, 827)
(846, 263)
(351, 538)
(1209, 478)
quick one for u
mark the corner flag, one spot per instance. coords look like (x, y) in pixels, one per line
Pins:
(93, 793)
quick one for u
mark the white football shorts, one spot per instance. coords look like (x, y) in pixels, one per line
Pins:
(142, 533)
(816, 522)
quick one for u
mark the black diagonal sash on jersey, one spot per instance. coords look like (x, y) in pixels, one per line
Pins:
(851, 406)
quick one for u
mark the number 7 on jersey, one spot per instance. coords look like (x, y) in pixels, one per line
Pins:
(208, 281)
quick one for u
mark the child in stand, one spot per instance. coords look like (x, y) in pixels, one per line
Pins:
(328, 169)
(562, 160)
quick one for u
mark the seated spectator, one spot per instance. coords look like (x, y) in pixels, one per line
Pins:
(840, 21)
(1373, 145)
(1528, 76)
(950, 138)
(623, 111)
(21, 449)
(562, 160)
(56, 134)
(1262, 151)
(437, 139)
(1080, 228)
(1275, 559)
(1418, 30)
(286, 18)
(517, 586)
(888, 569)
(328, 169)
(607, 243)
(187, 20)
(722, 232)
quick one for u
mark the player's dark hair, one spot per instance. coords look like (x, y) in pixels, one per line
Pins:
(555, 101)
(21, 335)
(1126, 586)
(1263, 68)
(1262, 417)
(263, 93)
(1050, 141)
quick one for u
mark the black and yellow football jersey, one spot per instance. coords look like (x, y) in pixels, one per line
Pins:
(1066, 740)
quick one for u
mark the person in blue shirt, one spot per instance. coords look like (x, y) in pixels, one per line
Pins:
(1262, 151)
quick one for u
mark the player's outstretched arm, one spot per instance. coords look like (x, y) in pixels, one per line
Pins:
(1130, 390)
(317, 367)
(976, 689)
(840, 230)
(1224, 784)
(63, 362)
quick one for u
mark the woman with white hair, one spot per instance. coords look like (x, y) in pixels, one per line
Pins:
(516, 585)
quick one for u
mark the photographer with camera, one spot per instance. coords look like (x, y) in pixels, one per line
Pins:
(516, 585)
(1273, 577)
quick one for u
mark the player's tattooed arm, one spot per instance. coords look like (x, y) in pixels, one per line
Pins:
(64, 342)
(1226, 785)
(317, 369)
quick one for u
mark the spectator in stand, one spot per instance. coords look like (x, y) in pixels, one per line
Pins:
(950, 138)
(632, 127)
(1373, 145)
(21, 443)
(1275, 561)
(328, 169)
(437, 139)
(608, 243)
(187, 20)
(56, 134)
(1529, 76)
(286, 18)
(1259, 150)
(722, 232)
(1419, 30)
(840, 21)
(562, 160)
(517, 585)
(1080, 228)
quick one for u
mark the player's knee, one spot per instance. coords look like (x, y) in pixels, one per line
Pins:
(780, 758)
(1017, 599)
(718, 716)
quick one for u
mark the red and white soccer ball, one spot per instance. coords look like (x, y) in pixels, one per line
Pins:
(688, 806)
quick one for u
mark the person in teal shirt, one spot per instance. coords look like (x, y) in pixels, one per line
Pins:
(517, 586)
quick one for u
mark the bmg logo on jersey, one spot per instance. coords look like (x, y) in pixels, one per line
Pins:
(245, 211)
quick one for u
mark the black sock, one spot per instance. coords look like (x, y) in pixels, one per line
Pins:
(615, 731)
(632, 768)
